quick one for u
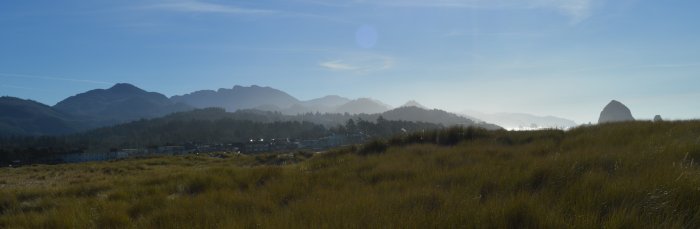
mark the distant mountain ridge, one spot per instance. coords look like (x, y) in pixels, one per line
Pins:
(270, 99)
(124, 102)
(326, 104)
(413, 103)
(121, 103)
(326, 101)
(417, 114)
(238, 97)
(363, 106)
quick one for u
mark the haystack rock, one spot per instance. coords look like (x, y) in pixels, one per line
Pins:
(658, 118)
(615, 112)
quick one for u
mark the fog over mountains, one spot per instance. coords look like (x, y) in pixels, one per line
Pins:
(238, 97)
(413, 103)
(521, 121)
(270, 99)
(123, 103)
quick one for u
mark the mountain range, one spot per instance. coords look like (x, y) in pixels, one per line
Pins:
(237, 98)
(270, 99)
(118, 104)
(123, 103)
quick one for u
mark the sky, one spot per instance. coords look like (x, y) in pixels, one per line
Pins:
(566, 58)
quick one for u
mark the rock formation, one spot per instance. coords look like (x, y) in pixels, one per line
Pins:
(615, 112)
(658, 118)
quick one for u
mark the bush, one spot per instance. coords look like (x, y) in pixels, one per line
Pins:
(373, 147)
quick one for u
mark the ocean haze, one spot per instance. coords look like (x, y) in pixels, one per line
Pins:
(521, 121)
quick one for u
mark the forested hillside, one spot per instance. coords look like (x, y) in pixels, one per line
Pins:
(208, 126)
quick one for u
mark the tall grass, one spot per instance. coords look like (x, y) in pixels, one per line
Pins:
(636, 174)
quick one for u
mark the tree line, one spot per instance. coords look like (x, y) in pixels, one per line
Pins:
(184, 129)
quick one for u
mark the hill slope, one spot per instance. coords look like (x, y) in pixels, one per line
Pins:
(622, 175)
(413, 103)
(417, 114)
(118, 104)
(411, 114)
(27, 117)
(363, 106)
(326, 101)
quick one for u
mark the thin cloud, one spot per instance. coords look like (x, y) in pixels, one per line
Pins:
(337, 65)
(676, 65)
(198, 6)
(204, 7)
(359, 64)
(463, 33)
(6, 75)
(640, 66)
(577, 10)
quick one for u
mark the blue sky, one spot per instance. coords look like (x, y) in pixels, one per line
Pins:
(550, 57)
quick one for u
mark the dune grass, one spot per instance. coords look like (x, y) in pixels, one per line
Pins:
(624, 175)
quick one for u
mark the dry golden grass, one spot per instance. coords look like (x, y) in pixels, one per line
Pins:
(632, 175)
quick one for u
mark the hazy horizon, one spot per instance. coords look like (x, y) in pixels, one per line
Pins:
(562, 58)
